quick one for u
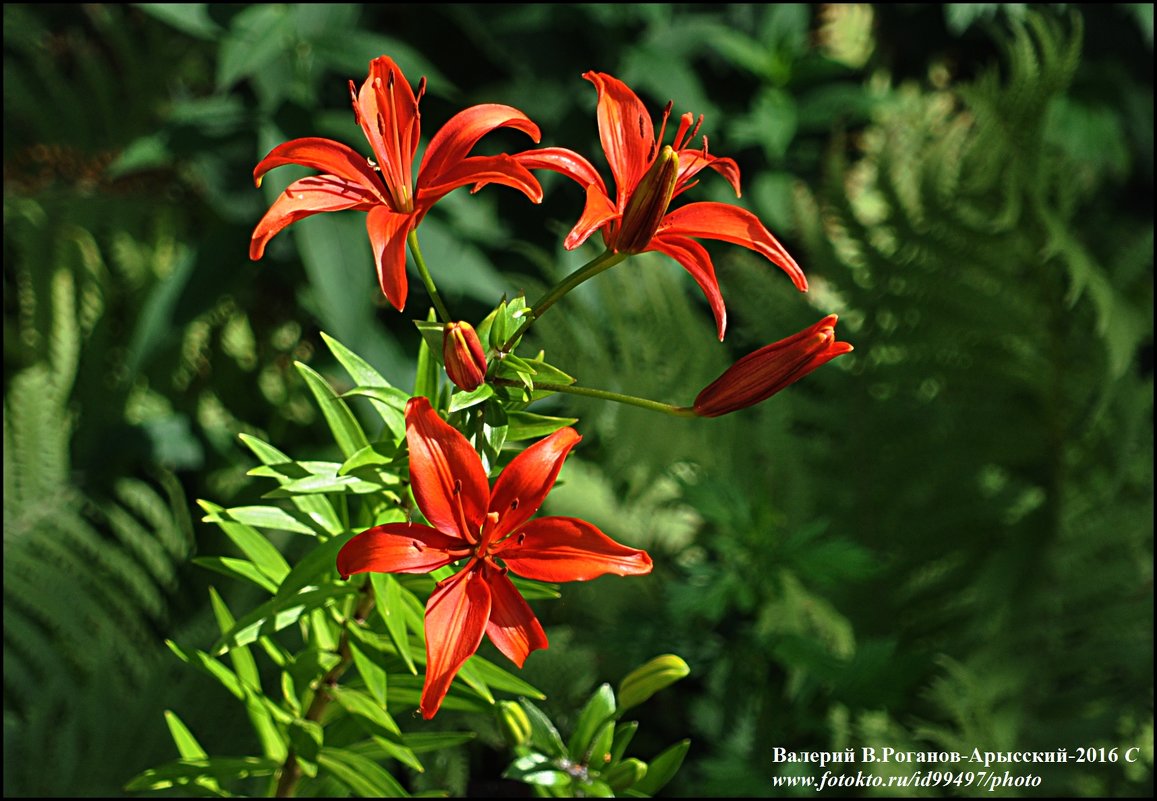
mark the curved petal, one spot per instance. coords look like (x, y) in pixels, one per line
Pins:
(456, 617)
(326, 155)
(691, 162)
(387, 111)
(564, 161)
(446, 474)
(513, 628)
(300, 199)
(598, 212)
(388, 230)
(736, 225)
(399, 548)
(524, 483)
(695, 260)
(455, 139)
(479, 171)
(626, 131)
(568, 549)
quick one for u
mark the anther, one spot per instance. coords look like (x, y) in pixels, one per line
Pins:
(521, 538)
(514, 504)
(457, 486)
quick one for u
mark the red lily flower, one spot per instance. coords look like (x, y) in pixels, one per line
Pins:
(493, 530)
(387, 110)
(647, 176)
(759, 375)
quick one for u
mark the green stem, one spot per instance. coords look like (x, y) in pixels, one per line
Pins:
(427, 279)
(601, 262)
(615, 397)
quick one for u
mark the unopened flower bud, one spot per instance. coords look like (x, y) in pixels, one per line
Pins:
(648, 203)
(464, 356)
(759, 375)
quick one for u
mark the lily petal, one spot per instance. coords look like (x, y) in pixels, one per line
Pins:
(306, 197)
(455, 139)
(524, 483)
(456, 617)
(598, 212)
(449, 483)
(513, 628)
(479, 171)
(695, 260)
(399, 548)
(388, 231)
(736, 225)
(564, 161)
(568, 549)
(387, 111)
(325, 155)
(691, 162)
(626, 131)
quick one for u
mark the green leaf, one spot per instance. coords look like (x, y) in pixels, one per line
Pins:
(307, 737)
(264, 517)
(533, 590)
(390, 404)
(364, 776)
(273, 743)
(372, 673)
(282, 610)
(187, 745)
(625, 774)
(258, 548)
(501, 679)
(433, 334)
(257, 37)
(318, 509)
(464, 400)
(663, 768)
(598, 755)
(406, 693)
(390, 605)
(595, 713)
(190, 18)
(236, 568)
(537, 769)
(528, 425)
(361, 705)
(624, 733)
(542, 732)
(367, 457)
(326, 484)
(548, 373)
(421, 742)
(345, 428)
(183, 771)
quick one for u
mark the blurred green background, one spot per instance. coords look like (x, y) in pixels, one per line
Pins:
(941, 541)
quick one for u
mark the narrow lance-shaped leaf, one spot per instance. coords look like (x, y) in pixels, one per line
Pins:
(346, 430)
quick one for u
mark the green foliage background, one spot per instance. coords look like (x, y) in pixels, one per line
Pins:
(941, 541)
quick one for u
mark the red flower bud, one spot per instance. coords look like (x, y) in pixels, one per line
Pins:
(759, 375)
(464, 356)
(648, 203)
